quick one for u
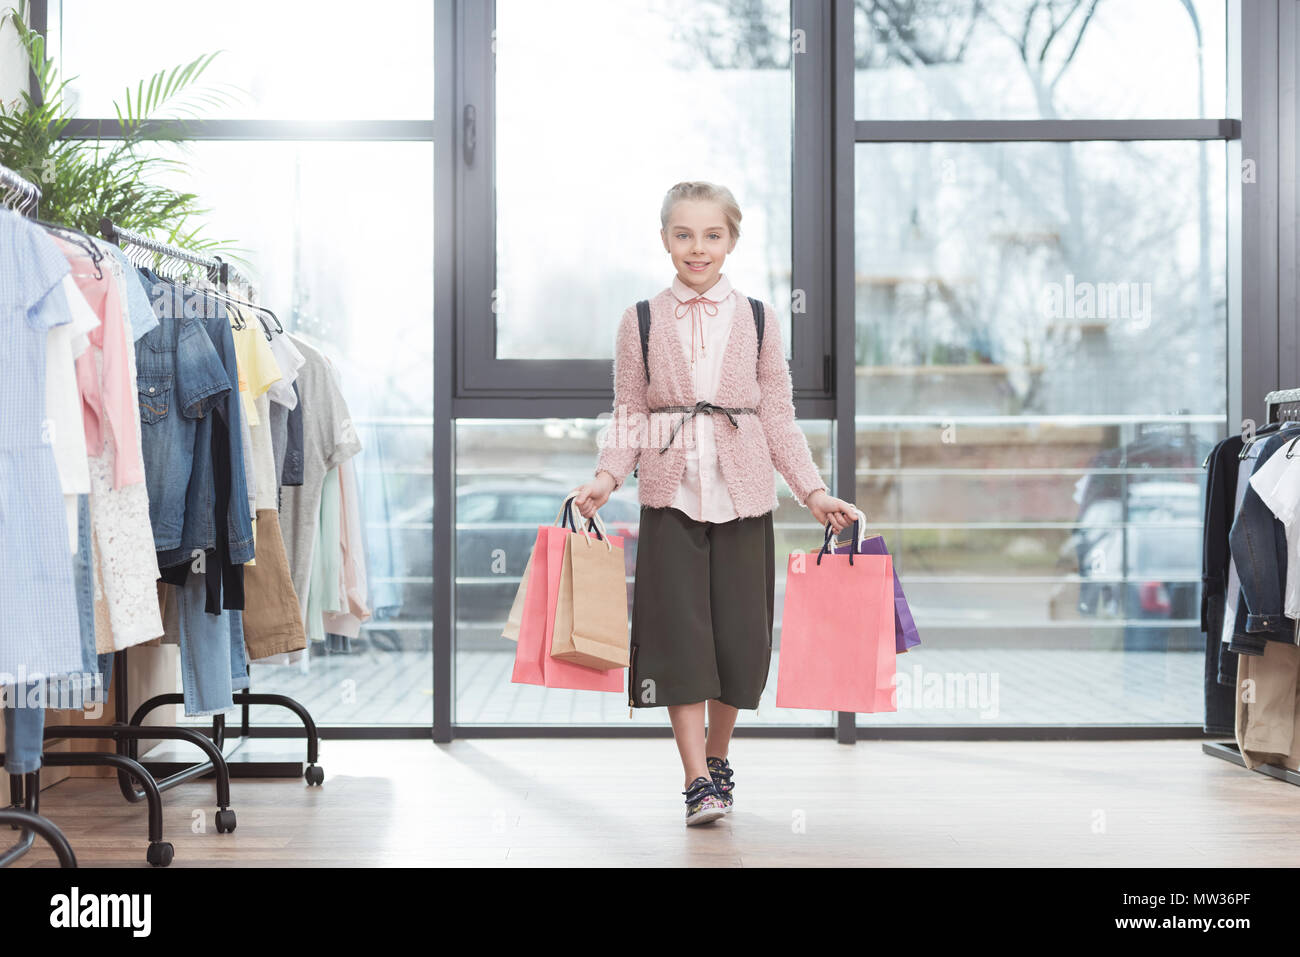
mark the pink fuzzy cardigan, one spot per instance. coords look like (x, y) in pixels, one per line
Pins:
(747, 454)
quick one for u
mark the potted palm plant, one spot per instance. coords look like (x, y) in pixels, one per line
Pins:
(84, 179)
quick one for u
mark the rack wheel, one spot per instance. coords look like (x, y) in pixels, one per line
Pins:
(225, 821)
(160, 853)
(315, 775)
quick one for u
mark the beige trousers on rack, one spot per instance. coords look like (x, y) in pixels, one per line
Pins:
(1268, 707)
(272, 616)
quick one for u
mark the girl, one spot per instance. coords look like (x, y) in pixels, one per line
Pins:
(704, 418)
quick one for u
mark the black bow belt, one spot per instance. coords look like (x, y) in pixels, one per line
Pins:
(694, 410)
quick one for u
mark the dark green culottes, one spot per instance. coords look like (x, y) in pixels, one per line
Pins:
(701, 610)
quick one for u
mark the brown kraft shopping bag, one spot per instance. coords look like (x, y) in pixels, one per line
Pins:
(591, 611)
(511, 629)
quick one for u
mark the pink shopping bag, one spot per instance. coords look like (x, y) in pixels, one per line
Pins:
(533, 662)
(837, 633)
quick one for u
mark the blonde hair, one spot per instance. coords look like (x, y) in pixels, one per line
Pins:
(700, 190)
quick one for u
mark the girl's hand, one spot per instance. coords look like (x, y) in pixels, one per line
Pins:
(592, 495)
(826, 508)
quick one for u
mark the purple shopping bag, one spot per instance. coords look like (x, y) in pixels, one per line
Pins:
(905, 635)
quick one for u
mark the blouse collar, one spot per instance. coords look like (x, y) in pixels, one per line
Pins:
(717, 292)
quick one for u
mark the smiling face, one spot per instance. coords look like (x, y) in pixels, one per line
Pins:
(698, 240)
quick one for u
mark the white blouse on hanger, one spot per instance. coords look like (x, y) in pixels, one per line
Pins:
(126, 593)
(64, 428)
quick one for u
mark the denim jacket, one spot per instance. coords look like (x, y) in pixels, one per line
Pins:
(1258, 542)
(186, 369)
(180, 379)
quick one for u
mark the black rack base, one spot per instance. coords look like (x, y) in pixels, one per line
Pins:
(245, 758)
(1230, 753)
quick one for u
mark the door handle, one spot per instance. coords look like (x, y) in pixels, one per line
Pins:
(470, 134)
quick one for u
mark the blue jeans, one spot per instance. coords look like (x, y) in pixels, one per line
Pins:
(24, 734)
(238, 652)
(207, 658)
(91, 686)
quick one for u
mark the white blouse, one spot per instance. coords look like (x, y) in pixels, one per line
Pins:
(64, 427)
(703, 327)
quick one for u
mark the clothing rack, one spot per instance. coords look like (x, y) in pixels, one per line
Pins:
(123, 237)
(1280, 406)
(128, 729)
(219, 754)
(25, 788)
(130, 772)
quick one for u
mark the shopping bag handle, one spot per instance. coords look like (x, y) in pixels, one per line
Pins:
(862, 533)
(856, 540)
(596, 524)
(564, 511)
(564, 518)
(602, 534)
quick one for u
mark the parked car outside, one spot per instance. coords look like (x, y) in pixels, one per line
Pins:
(1144, 564)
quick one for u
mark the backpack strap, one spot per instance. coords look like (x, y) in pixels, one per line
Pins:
(758, 320)
(643, 321)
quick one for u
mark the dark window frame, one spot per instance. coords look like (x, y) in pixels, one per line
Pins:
(489, 386)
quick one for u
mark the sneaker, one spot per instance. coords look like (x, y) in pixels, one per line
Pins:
(720, 771)
(703, 802)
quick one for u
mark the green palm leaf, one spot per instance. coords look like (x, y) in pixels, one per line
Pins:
(83, 180)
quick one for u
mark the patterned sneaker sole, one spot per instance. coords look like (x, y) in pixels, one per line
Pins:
(706, 816)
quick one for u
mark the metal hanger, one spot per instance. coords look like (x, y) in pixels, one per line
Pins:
(1271, 428)
(257, 309)
(1266, 429)
(20, 195)
(78, 239)
(218, 272)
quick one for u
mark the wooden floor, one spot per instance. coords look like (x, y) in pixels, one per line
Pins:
(800, 802)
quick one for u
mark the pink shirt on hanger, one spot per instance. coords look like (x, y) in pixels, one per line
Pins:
(703, 327)
(353, 586)
(109, 402)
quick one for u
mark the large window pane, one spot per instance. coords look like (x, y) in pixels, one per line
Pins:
(290, 60)
(1030, 59)
(302, 239)
(513, 475)
(601, 107)
(1041, 335)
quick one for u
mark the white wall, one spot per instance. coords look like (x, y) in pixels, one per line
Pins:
(13, 61)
